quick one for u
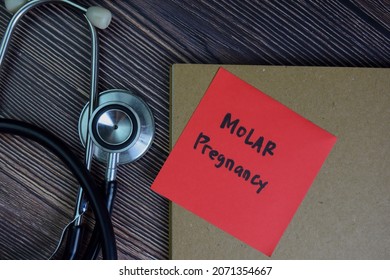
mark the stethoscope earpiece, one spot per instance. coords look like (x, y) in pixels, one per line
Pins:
(14, 5)
(99, 17)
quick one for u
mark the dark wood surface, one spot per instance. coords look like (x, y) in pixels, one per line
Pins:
(45, 81)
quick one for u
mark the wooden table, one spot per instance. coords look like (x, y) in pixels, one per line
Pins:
(45, 81)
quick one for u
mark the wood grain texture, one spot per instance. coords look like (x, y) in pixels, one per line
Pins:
(45, 81)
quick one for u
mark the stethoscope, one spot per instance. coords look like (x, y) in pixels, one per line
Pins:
(115, 127)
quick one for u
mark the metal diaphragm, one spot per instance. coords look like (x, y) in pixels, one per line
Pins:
(122, 123)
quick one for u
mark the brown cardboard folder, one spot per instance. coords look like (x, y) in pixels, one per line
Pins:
(345, 214)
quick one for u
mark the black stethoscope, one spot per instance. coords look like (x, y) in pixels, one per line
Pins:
(115, 127)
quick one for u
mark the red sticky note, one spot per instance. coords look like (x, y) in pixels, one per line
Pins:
(244, 162)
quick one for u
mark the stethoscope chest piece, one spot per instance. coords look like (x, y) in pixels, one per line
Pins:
(122, 123)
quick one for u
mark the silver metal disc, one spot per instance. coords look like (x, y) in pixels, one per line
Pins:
(114, 127)
(122, 123)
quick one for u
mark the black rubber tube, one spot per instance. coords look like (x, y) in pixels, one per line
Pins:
(61, 150)
(73, 242)
(94, 244)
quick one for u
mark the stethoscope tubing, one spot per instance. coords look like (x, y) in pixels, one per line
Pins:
(115, 126)
(61, 150)
(81, 200)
